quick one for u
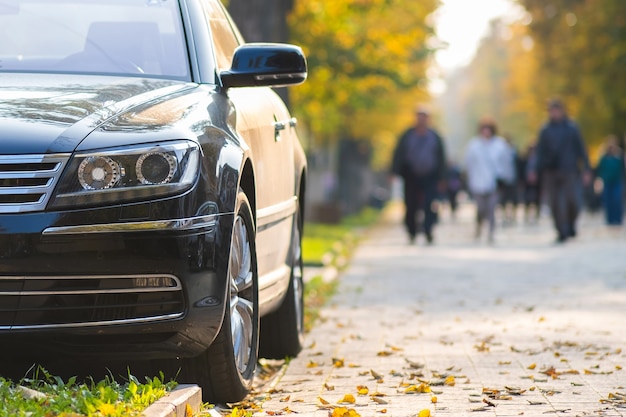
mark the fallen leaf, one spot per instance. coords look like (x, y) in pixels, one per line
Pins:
(344, 412)
(532, 366)
(376, 375)
(450, 381)
(379, 400)
(433, 399)
(347, 399)
(504, 363)
(338, 363)
(418, 389)
(286, 399)
(383, 411)
(328, 387)
(551, 372)
(535, 402)
(384, 353)
(489, 403)
(424, 413)
(482, 347)
(377, 394)
(362, 390)
(414, 365)
(323, 401)
(514, 390)
(312, 364)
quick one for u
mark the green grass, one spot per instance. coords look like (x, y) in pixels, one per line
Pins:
(107, 398)
(323, 242)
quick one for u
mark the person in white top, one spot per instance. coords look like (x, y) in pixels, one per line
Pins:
(486, 165)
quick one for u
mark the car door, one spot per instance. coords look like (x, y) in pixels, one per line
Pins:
(264, 123)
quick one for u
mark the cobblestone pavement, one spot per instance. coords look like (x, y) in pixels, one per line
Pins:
(523, 327)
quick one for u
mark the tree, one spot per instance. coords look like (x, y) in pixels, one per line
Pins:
(368, 60)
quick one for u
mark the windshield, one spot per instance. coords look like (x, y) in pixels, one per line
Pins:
(119, 37)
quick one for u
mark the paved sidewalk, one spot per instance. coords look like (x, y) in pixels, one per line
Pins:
(523, 327)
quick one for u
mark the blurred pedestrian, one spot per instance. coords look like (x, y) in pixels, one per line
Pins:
(454, 184)
(532, 186)
(610, 170)
(486, 164)
(508, 184)
(419, 158)
(562, 162)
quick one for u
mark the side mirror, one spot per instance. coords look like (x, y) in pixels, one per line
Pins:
(266, 65)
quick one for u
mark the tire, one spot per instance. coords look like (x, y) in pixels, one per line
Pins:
(282, 332)
(226, 369)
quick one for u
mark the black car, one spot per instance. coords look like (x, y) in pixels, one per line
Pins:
(151, 188)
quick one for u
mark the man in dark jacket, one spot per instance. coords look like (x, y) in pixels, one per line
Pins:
(561, 161)
(420, 160)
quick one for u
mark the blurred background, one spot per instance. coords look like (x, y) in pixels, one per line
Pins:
(372, 61)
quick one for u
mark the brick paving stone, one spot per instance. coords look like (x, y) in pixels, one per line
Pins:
(539, 327)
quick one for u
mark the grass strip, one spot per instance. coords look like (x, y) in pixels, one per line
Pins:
(322, 244)
(45, 395)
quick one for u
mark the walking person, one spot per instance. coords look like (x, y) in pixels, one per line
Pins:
(532, 186)
(562, 162)
(420, 160)
(486, 161)
(611, 170)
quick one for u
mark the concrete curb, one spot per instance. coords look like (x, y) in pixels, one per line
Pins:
(176, 403)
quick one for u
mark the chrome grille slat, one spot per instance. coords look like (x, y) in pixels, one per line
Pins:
(18, 198)
(39, 302)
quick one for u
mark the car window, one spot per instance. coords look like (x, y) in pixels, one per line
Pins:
(130, 37)
(226, 38)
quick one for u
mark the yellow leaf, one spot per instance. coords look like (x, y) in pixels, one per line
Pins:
(188, 411)
(323, 401)
(433, 399)
(344, 412)
(338, 363)
(450, 381)
(619, 368)
(312, 364)
(383, 411)
(532, 366)
(417, 389)
(424, 413)
(362, 390)
(106, 409)
(384, 353)
(348, 399)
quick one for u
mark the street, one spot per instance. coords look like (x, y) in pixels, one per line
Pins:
(522, 327)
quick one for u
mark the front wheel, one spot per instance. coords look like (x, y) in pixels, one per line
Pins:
(225, 370)
(282, 332)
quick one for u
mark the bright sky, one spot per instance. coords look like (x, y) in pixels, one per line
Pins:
(463, 23)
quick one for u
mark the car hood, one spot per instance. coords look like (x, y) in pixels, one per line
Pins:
(49, 113)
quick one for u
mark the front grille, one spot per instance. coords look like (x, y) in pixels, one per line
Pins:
(49, 302)
(27, 181)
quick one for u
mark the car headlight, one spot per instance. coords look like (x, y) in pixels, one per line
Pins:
(128, 174)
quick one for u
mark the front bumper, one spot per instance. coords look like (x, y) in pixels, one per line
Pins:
(134, 288)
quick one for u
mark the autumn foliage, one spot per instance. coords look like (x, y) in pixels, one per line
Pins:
(574, 49)
(368, 62)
